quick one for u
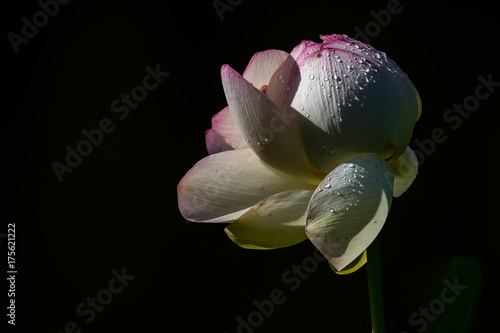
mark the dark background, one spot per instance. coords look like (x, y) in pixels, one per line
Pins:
(118, 208)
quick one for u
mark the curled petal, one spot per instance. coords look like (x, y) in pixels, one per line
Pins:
(275, 222)
(266, 129)
(349, 208)
(405, 171)
(223, 186)
(224, 125)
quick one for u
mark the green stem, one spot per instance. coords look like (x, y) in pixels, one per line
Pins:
(375, 287)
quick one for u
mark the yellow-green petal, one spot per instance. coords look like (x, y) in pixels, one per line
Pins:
(275, 222)
(353, 266)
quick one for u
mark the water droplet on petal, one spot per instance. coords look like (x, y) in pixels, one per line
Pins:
(311, 76)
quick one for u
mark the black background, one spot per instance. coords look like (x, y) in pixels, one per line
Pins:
(118, 208)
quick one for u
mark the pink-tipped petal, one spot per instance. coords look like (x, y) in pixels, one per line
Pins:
(353, 100)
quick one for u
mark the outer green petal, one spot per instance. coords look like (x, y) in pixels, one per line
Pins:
(349, 208)
(356, 264)
(275, 222)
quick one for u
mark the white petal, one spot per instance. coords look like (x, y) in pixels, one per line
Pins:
(349, 208)
(262, 66)
(267, 131)
(224, 125)
(275, 222)
(280, 84)
(221, 187)
(405, 171)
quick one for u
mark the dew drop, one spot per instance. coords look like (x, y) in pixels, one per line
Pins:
(311, 76)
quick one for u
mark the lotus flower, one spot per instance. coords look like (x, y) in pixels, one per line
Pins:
(313, 144)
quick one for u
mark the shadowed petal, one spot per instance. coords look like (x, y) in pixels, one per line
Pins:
(405, 171)
(215, 144)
